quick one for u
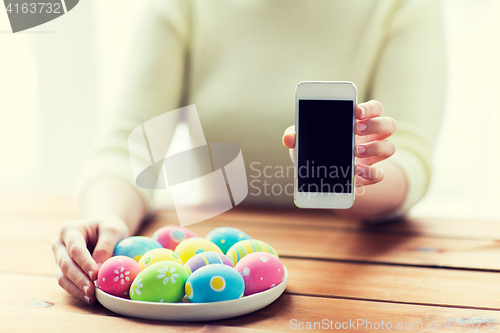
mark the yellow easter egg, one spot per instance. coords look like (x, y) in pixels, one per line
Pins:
(192, 246)
(244, 247)
(158, 255)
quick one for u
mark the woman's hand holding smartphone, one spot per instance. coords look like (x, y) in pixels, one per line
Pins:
(336, 136)
(372, 144)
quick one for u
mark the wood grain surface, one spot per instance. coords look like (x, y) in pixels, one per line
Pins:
(421, 272)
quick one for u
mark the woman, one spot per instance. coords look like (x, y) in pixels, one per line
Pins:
(239, 62)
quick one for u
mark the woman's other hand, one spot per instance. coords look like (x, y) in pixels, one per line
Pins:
(80, 248)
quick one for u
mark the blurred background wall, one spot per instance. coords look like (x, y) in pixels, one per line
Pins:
(59, 81)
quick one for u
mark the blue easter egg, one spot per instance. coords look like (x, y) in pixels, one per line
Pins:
(135, 246)
(225, 237)
(214, 283)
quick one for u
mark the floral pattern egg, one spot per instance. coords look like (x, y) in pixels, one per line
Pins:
(192, 246)
(214, 283)
(135, 246)
(117, 274)
(206, 258)
(163, 281)
(260, 271)
(226, 237)
(242, 248)
(171, 235)
(157, 255)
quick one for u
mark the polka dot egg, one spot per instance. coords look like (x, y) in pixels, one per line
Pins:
(206, 258)
(213, 283)
(163, 281)
(260, 271)
(192, 246)
(226, 237)
(135, 246)
(157, 255)
(117, 274)
(171, 235)
(242, 248)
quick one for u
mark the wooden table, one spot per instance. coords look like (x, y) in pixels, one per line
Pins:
(417, 272)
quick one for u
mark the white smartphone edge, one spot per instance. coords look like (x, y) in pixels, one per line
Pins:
(324, 90)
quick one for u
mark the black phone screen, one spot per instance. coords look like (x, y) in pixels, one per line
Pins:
(325, 135)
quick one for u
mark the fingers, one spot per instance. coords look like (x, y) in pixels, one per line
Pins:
(370, 109)
(376, 128)
(109, 236)
(379, 150)
(73, 279)
(72, 289)
(77, 267)
(77, 249)
(367, 175)
(289, 137)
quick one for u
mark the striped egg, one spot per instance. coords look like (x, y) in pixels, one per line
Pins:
(206, 258)
(244, 247)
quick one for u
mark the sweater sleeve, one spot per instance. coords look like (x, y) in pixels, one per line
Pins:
(410, 81)
(153, 85)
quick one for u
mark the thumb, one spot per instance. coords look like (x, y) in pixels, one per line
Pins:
(289, 137)
(108, 238)
(289, 141)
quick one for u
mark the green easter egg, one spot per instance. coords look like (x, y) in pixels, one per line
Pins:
(160, 282)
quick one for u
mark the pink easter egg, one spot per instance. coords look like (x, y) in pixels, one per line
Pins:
(171, 235)
(260, 271)
(117, 274)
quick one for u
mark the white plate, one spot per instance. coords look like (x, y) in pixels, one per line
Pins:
(192, 311)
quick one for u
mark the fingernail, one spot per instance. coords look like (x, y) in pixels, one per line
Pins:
(360, 150)
(87, 299)
(359, 170)
(85, 288)
(99, 264)
(363, 112)
(90, 274)
(362, 127)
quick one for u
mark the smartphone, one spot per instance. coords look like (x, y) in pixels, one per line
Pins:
(324, 144)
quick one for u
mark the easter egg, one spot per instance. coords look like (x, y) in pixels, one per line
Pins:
(157, 255)
(226, 237)
(160, 282)
(192, 246)
(260, 271)
(242, 248)
(214, 283)
(117, 274)
(171, 235)
(135, 246)
(206, 258)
